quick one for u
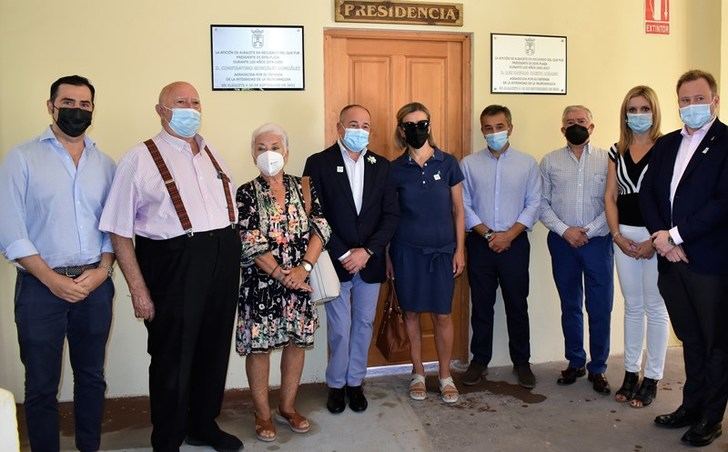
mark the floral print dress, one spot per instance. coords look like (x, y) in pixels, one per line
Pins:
(270, 315)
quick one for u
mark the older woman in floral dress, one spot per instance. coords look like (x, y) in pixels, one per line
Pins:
(280, 242)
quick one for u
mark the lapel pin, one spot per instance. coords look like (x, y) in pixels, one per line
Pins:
(705, 151)
(339, 169)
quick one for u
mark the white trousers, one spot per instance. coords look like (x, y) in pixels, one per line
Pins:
(638, 280)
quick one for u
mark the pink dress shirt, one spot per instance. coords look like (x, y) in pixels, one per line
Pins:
(139, 203)
(688, 146)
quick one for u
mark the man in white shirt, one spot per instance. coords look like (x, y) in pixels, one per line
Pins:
(361, 208)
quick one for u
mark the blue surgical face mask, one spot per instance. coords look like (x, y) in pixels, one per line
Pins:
(696, 116)
(639, 122)
(497, 140)
(356, 140)
(185, 122)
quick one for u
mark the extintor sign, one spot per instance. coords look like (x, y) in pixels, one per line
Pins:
(657, 17)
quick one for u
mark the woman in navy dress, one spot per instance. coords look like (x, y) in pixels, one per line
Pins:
(427, 251)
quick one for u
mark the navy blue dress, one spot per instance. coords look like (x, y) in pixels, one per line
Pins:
(424, 243)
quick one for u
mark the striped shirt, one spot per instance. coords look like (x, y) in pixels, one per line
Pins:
(139, 203)
(629, 179)
(573, 190)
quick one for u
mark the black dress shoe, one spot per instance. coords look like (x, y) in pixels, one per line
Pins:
(570, 375)
(702, 433)
(474, 374)
(336, 402)
(357, 401)
(526, 378)
(679, 418)
(600, 383)
(217, 439)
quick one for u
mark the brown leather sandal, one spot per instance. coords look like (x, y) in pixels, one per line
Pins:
(295, 421)
(264, 429)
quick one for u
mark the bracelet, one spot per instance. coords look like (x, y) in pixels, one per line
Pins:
(274, 270)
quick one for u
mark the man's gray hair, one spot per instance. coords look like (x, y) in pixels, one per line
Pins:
(571, 108)
(270, 127)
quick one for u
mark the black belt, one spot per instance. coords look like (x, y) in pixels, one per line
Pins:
(74, 271)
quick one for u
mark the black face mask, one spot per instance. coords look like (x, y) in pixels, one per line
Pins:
(73, 121)
(577, 134)
(416, 137)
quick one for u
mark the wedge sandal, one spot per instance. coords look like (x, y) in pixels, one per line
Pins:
(417, 388)
(448, 391)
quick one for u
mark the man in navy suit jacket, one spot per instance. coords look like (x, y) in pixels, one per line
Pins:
(684, 200)
(362, 209)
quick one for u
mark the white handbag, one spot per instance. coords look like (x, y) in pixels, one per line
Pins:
(323, 279)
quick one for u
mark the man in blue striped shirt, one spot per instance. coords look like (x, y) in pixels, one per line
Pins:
(572, 208)
(52, 189)
(501, 194)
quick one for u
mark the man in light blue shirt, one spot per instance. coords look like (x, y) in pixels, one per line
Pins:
(501, 194)
(52, 189)
(572, 208)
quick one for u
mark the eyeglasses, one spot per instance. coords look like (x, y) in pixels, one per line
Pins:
(420, 125)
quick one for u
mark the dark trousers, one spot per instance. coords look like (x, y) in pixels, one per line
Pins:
(486, 271)
(193, 282)
(584, 275)
(697, 307)
(44, 321)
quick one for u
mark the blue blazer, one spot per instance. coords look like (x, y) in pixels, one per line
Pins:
(700, 207)
(373, 227)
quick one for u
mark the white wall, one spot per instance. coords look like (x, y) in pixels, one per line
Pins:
(131, 49)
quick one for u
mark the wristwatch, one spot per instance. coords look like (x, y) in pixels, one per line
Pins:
(109, 269)
(670, 240)
(489, 234)
(308, 266)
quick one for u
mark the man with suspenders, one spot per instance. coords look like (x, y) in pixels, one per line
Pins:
(173, 196)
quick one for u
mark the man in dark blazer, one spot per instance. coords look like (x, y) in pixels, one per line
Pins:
(362, 209)
(684, 201)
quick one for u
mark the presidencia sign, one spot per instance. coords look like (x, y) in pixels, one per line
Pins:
(412, 13)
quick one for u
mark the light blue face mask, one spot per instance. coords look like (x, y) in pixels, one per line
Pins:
(696, 116)
(185, 122)
(639, 122)
(356, 140)
(497, 140)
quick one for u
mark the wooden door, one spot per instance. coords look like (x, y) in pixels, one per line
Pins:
(384, 70)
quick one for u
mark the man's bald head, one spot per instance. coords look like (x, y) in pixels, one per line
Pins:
(175, 90)
(176, 95)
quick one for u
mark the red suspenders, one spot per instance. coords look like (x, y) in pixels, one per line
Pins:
(169, 182)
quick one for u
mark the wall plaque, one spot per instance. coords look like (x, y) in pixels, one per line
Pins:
(257, 57)
(411, 13)
(527, 64)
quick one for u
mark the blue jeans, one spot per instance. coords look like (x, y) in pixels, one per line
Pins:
(587, 270)
(44, 321)
(349, 321)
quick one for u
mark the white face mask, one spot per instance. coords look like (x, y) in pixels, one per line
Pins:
(270, 163)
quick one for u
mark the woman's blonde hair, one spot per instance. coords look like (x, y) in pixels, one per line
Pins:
(625, 133)
(404, 111)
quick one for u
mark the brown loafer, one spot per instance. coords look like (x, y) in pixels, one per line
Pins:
(600, 383)
(570, 374)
